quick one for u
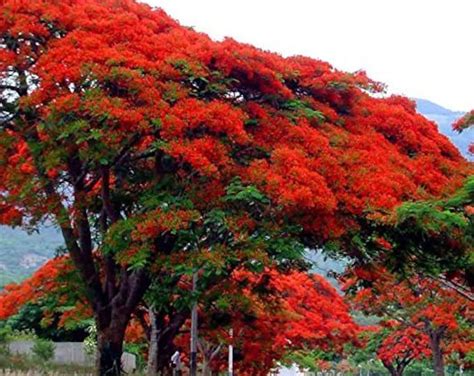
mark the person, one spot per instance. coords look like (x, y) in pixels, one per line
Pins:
(176, 363)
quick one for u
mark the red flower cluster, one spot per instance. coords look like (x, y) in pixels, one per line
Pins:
(42, 282)
(311, 137)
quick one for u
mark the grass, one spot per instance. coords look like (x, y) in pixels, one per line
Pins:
(18, 365)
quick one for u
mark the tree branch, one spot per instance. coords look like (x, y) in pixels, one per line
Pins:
(458, 288)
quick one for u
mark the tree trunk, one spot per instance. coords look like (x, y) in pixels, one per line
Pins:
(205, 367)
(394, 371)
(162, 335)
(152, 366)
(163, 361)
(109, 349)
(208, 352)
(438, 358)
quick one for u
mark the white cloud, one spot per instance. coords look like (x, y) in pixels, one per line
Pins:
(420, 48)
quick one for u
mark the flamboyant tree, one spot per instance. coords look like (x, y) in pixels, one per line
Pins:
(271, 314)
(127, 131)
(401, 347)
(423, 304)
(43, 281)
(276, 313)
(396, 346)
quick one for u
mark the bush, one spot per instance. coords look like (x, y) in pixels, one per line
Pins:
(5, 333)
(43, 349)
(137, 349)
(90, 342)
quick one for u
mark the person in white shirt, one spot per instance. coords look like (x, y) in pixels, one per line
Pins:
(176, 363)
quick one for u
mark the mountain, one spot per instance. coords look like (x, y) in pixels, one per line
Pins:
(445, 118)
(21, 253)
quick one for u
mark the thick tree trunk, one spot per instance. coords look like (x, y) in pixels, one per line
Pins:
(438, 358)
(163, 360)
(112, 320)
(109, 349)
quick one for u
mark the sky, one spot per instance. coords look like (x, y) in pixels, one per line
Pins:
(419, 48)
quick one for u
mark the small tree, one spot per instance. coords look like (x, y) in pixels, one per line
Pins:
(401, 347)
(416, 304)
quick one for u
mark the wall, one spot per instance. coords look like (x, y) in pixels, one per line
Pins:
(70, 353)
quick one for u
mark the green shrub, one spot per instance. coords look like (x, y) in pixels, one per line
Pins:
(137, 349)
(22, 335)
(43, 349)
(90, 342)
(5, 333)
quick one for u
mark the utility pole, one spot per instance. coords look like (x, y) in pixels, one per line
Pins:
(194, 331)
(231, 353)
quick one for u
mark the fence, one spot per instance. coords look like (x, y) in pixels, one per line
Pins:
(6, 372)
(70, 353)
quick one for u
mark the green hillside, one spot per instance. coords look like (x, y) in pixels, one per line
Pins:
(22, 253)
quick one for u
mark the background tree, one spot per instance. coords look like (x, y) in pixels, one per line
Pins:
(51, 303)
(400, 347)
(272, 314)
(423, 304)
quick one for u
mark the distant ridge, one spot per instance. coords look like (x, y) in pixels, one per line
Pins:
(445, 119)
(425, 106)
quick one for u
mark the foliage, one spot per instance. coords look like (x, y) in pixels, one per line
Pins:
(422, 316)
(401, 347)
(431, 227)
(415, 238)
(464, 122)
(273, 315)
(307, 359)
(111, 83)
(275, 312)
(43, 349)
(44, 303)
(90, 342)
